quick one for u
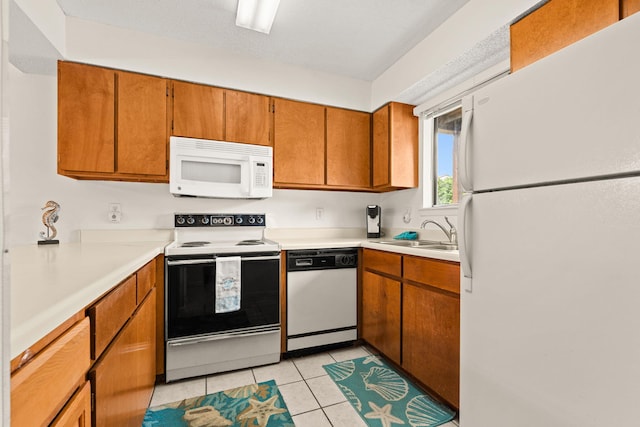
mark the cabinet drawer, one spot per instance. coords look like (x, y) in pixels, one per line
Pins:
(77, 413)
(440, 274)
(110, 313)
(384, 262)
(146, 280)
(41, 388)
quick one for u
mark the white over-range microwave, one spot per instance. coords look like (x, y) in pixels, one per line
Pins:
(206, 168)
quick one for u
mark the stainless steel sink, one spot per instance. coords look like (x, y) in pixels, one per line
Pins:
(440, 247)
(423, 244)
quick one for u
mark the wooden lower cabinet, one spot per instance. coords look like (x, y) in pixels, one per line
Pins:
(77, 413)
(431, 339)
(123, 378)
(40, 389)
(411, 314)
(381, 313)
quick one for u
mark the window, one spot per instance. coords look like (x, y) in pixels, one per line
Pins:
(442, 134)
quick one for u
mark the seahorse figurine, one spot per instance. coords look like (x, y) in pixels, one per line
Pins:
(49, 217)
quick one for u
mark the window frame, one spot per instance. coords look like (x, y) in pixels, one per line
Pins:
(428, 142)
(438, 102)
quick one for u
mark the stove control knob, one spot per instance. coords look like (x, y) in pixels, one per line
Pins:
(191, 220)
(180, 220)
(252, 220)
(205, 220)
(227, 220)
(260, 220)
(239, 220)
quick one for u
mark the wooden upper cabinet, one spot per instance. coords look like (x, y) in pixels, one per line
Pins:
(198, 111)
(299, 150)
(395, 147)
(629, 7)
(560, 23)
(86, 118)
(142, 124)
(247, 118)
(348, 148)
(112, 125)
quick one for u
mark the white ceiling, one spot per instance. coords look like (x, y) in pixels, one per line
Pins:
(353, 38)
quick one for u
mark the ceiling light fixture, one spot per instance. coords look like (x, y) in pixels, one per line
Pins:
(257, 15)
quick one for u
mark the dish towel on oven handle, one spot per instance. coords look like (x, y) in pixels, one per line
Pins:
(228, 284)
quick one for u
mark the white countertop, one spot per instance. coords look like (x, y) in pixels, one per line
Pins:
(294, 239)
(51, 283)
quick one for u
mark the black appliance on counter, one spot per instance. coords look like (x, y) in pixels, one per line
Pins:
(373, 221)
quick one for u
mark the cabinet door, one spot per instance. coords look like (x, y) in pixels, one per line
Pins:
(299, 149)
(77, 413)
(381, 314)
(142, 124)
(247, 118)
(40, 389)
(86, 118)
(431, 339)
(380, 147)
(395, 147)
(348, 148)
(123, 379)
(557, 24)
(403, 160)
(198, 111)
(629, 7)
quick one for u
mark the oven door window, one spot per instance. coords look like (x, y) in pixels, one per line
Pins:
(191, 298)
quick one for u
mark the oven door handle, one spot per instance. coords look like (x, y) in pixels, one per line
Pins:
(212, 260)
(260, 258)
(192, 261)
(198, 340)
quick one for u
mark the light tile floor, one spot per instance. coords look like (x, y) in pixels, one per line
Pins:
(312, 398)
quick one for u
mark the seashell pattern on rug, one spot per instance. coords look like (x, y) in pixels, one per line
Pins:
(351, 396)
(242, 392)
(388, 384)
(341, 370)
(423, 412)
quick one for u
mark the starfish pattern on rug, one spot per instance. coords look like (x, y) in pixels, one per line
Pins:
(383, 414)
(372, 359)
(261, 411)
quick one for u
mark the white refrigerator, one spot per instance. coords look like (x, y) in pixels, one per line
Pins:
(550, 240)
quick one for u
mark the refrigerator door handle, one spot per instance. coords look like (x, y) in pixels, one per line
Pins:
(463, 168)
(465, 261)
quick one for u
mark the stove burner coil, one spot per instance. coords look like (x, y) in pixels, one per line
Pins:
(249, 242)
(193, 244)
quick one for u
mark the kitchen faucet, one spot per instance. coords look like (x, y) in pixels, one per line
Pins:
(452, 234)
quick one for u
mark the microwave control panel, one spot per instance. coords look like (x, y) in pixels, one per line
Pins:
(261, 174)
(219, 220)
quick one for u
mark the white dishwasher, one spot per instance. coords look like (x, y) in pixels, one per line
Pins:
(322, 306)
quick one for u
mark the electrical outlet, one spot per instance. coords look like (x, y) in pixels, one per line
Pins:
(115, 212)
(319, 213)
